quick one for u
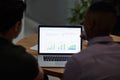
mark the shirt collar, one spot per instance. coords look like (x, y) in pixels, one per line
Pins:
(4, 41)
(100, 39)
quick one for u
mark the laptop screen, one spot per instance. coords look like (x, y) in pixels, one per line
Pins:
(59, 39)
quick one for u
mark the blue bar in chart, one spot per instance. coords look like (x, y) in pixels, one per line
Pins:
(72, 47)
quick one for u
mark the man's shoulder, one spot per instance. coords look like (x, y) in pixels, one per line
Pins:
(12, 49)
(21, 52)
(96, 51)
(86, 55)
(15, 51)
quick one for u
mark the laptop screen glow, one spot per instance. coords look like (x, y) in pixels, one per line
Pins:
(59, 40)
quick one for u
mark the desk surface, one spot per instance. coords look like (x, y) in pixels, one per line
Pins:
(32, 40)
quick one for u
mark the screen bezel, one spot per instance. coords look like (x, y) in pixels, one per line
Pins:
(60, 26)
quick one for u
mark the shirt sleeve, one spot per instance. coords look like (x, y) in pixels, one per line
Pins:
(28, 64)
(71, 70)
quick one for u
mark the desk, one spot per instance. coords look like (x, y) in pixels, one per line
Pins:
(32, 40)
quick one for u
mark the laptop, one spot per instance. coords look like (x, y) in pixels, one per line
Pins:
(56, 44)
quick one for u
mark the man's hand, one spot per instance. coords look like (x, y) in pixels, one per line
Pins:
(83, 35)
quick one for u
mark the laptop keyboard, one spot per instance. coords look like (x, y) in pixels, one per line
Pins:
(56, 58)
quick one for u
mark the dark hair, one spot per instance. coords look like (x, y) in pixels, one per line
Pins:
(104, 14)
(11, 11)
(102, 6)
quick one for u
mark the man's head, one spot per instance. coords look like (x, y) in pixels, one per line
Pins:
(11, 14)
(99, 19)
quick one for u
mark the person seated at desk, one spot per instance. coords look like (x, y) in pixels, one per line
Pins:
(15, 62)
(101, 59)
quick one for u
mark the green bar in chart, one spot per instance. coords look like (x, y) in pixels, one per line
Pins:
(61, 47)
(72, 47)
(52, 47)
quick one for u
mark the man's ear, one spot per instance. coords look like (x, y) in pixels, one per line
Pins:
(17, 26)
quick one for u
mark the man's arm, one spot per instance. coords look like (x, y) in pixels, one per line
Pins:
(29, 65)
(72, 70)
(40, 75)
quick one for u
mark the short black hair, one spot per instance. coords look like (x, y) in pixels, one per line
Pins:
(104, 15)
(11, 11)
(102, 6)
